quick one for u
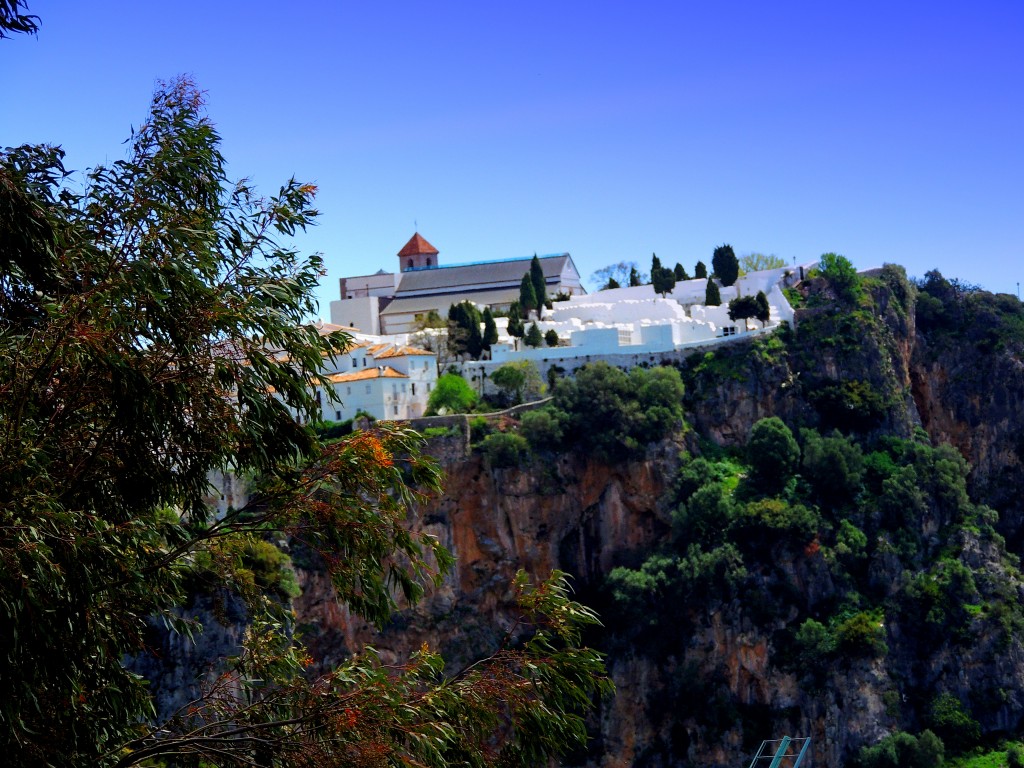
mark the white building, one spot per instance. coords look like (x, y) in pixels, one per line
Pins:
(387, 380)
(389, 303)
(629, 326)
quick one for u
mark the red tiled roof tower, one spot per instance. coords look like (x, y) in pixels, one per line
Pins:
(417, 254)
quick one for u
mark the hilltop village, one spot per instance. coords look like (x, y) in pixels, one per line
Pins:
(400, 338)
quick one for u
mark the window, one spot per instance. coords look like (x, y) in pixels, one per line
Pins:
(394, 389)
(364, 362)
(414, 388)
(368, 388)
(408, 264)
(396, 410)
(430, 261)
(428, 387)
(729, 330)
(337, 415)
(403, 387)
(354, 362)
(348, 390)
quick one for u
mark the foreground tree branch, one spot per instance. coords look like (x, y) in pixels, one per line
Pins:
(153, 330)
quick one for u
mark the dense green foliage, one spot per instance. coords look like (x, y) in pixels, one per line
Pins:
(700, 270)
(828, 503)
(518, 381)
(152, 331)
(842, 277)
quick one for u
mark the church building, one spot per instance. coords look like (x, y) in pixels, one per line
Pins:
(423, 284)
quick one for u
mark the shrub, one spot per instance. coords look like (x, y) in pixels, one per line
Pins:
(479, 428)
(863, 634)
(833, 466)
(903, 750)
(954, 725)
(1015, 756)
(543, 428)
(504, 449)
(815, 643)
(773, 454)
(841, 276)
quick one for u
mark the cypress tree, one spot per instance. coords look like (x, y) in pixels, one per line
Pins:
(712, 296)
(527, 294)
(680, 273)
(540, 286)
(725, 264)
(490, 329)
(700, 270)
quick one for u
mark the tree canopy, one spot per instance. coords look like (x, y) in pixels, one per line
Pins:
(725, 265)
(700, 270)
(756, 262)
(153, 328)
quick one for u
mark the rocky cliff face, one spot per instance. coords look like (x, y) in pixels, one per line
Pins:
(724, 674)
(574, 514)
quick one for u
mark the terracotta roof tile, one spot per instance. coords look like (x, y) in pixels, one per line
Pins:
(403, 352)
(366, 374)
(416, 246)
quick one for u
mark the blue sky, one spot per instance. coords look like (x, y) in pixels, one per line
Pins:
(888, 132)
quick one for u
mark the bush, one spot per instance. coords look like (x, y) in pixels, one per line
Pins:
(833, 466)
(954, 725)
(863, 634)
(543, 428)
(1015, 756)
(504, 449)
(815, 644)
(773, 454)
(841, 276)
(903, 750)
(479, 428)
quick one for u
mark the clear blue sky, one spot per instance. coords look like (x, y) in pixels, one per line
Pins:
(885, 131)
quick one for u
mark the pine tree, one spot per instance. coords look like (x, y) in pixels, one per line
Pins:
(712, 296)
(634, 277)
(680, 273)
(700, 271)
(655, 265)
(533, 336)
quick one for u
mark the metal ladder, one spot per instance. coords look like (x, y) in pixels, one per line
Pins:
(788, 751)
